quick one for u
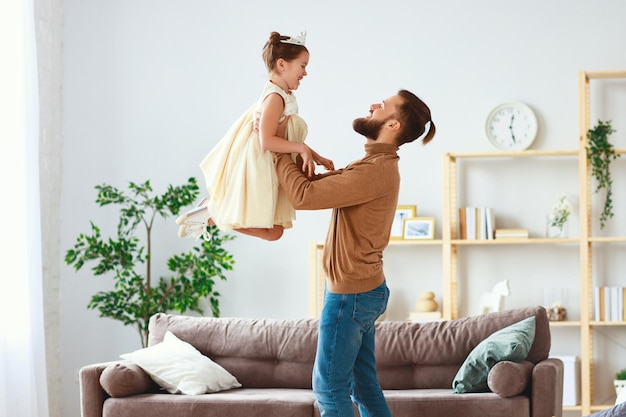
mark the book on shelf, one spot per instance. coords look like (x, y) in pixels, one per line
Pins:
(608, 303)
(462, 224)
(476, 223)
(470, 221)
(481, 231)
(490, 223)
(598, 304)
(511, 233)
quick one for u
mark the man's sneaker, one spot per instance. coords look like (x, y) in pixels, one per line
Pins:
(194, 222)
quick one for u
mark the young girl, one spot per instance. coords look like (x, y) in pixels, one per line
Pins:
(239, 170)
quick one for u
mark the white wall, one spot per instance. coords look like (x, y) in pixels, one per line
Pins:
(150, 86)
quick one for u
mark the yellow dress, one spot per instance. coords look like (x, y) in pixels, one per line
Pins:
(240, 176)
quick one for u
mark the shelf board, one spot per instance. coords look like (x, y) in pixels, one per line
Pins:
(608, 239)
(565, 323)
(597, 75)
(516, 154)
(572, 408)
(534, 240)
(600, 407)
(607, 323)
(514, 241)
(410, 242)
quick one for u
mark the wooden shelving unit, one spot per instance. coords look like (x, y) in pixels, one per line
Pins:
(587, 241)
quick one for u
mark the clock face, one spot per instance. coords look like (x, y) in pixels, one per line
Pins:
(512, 126)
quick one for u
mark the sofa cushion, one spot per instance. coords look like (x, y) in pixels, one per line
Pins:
(508, 379)
(511, 343)
(179, 368)
(444, 403)
(242, 402)
(125, 378)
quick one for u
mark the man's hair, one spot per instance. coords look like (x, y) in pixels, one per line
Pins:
(413, 115)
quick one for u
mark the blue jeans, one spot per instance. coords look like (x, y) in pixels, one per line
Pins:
(345, 366)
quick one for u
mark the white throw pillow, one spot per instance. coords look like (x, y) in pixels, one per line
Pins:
(180, 368)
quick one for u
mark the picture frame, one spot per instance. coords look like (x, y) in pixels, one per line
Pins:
(415, 228)
(397, 227)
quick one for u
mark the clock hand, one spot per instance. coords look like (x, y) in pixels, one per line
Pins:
(511, 128)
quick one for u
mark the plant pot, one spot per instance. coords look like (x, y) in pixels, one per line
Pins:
(619, 385)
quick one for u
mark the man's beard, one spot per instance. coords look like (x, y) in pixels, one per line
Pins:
(368, 127)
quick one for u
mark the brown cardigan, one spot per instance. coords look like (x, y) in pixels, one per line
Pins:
(364, 197)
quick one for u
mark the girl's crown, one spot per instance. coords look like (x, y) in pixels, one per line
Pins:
(298, 40)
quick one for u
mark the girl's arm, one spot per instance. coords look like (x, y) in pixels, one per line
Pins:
(271, 111)
(325, 162)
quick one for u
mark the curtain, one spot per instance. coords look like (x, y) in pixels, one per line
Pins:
(23, 391)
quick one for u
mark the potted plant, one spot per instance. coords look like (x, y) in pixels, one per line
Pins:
(137, 295)
(620, 381)
(600, 153)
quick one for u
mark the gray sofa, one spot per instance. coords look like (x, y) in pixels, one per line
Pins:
(273, 360)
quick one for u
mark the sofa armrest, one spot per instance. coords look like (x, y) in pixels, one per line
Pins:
(508, 379)
(547, 388)
(92, 395)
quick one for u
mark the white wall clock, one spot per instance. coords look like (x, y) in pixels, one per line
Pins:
(511, 126)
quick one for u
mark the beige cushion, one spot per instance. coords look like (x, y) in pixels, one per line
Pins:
(126, 378)
(508, 379)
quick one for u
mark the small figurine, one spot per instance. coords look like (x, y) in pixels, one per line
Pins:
(426, 302)
(493, 301)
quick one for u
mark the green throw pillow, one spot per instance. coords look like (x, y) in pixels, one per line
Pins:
(511, 344)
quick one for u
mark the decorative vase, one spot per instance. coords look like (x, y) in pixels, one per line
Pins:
(555, 231)
(619, 385)
(555, 300)
(426, 302)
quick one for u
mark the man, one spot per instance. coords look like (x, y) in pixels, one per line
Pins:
(364, 197)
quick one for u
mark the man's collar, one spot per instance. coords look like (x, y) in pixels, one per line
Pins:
(374, 147)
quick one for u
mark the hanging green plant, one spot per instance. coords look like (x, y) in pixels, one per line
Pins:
(600, 153)
(137, 295)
